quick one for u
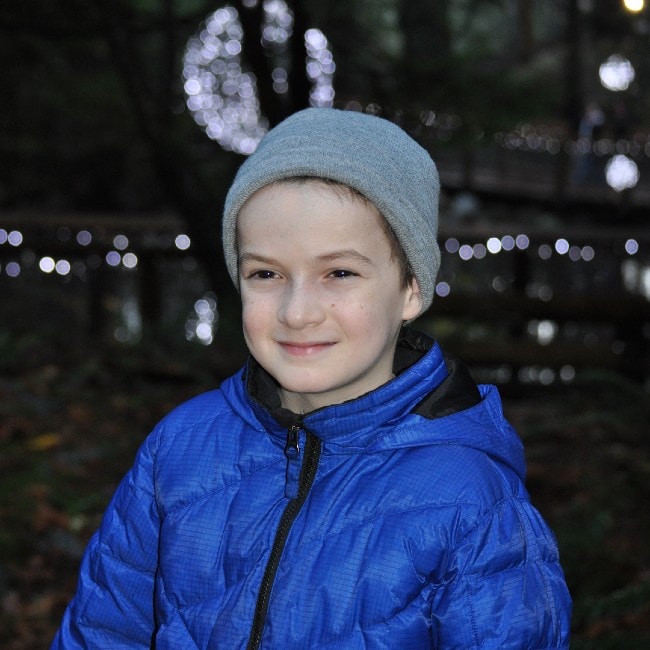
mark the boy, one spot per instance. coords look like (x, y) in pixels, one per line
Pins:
(343, 490)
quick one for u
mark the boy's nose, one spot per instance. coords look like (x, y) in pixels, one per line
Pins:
(301, 306)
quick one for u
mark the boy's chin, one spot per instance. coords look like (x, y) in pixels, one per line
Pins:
(306, 398)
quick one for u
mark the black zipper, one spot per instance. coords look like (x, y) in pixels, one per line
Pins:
(306, 480)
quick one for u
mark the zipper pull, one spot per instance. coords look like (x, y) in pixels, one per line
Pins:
(292, 448)
(292, 452)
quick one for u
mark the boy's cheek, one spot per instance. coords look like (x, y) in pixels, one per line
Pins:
(248, 312)
(256, 314)
(253, 302)
(250, 331)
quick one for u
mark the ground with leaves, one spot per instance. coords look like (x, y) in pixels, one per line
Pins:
(70, 425)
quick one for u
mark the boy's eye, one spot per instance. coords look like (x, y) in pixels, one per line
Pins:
(342, 273)
(264, 274)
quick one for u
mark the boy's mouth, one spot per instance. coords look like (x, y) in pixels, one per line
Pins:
(304, 349)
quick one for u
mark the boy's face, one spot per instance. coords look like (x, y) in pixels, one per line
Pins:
(321, 295)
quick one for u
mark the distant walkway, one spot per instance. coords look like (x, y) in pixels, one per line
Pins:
(543, 178)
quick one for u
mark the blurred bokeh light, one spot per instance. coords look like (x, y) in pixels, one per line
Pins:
(222, 95)
(617, 73)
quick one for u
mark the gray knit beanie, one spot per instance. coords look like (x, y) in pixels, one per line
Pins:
(367, 153)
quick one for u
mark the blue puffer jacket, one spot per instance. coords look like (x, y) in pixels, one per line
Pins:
(397, 520)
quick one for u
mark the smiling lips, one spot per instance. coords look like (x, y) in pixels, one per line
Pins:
(304, 349)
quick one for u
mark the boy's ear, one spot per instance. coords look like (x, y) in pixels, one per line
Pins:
(412, 301)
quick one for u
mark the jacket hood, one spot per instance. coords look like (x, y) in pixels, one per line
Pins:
(427, 386)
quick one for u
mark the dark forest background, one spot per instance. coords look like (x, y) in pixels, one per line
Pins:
(96, 137)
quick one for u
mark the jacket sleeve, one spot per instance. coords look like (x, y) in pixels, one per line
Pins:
(506, 588)
(113, 604)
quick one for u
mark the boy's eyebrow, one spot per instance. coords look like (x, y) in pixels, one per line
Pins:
(346, 253)
(254, 257)
(326, 257)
